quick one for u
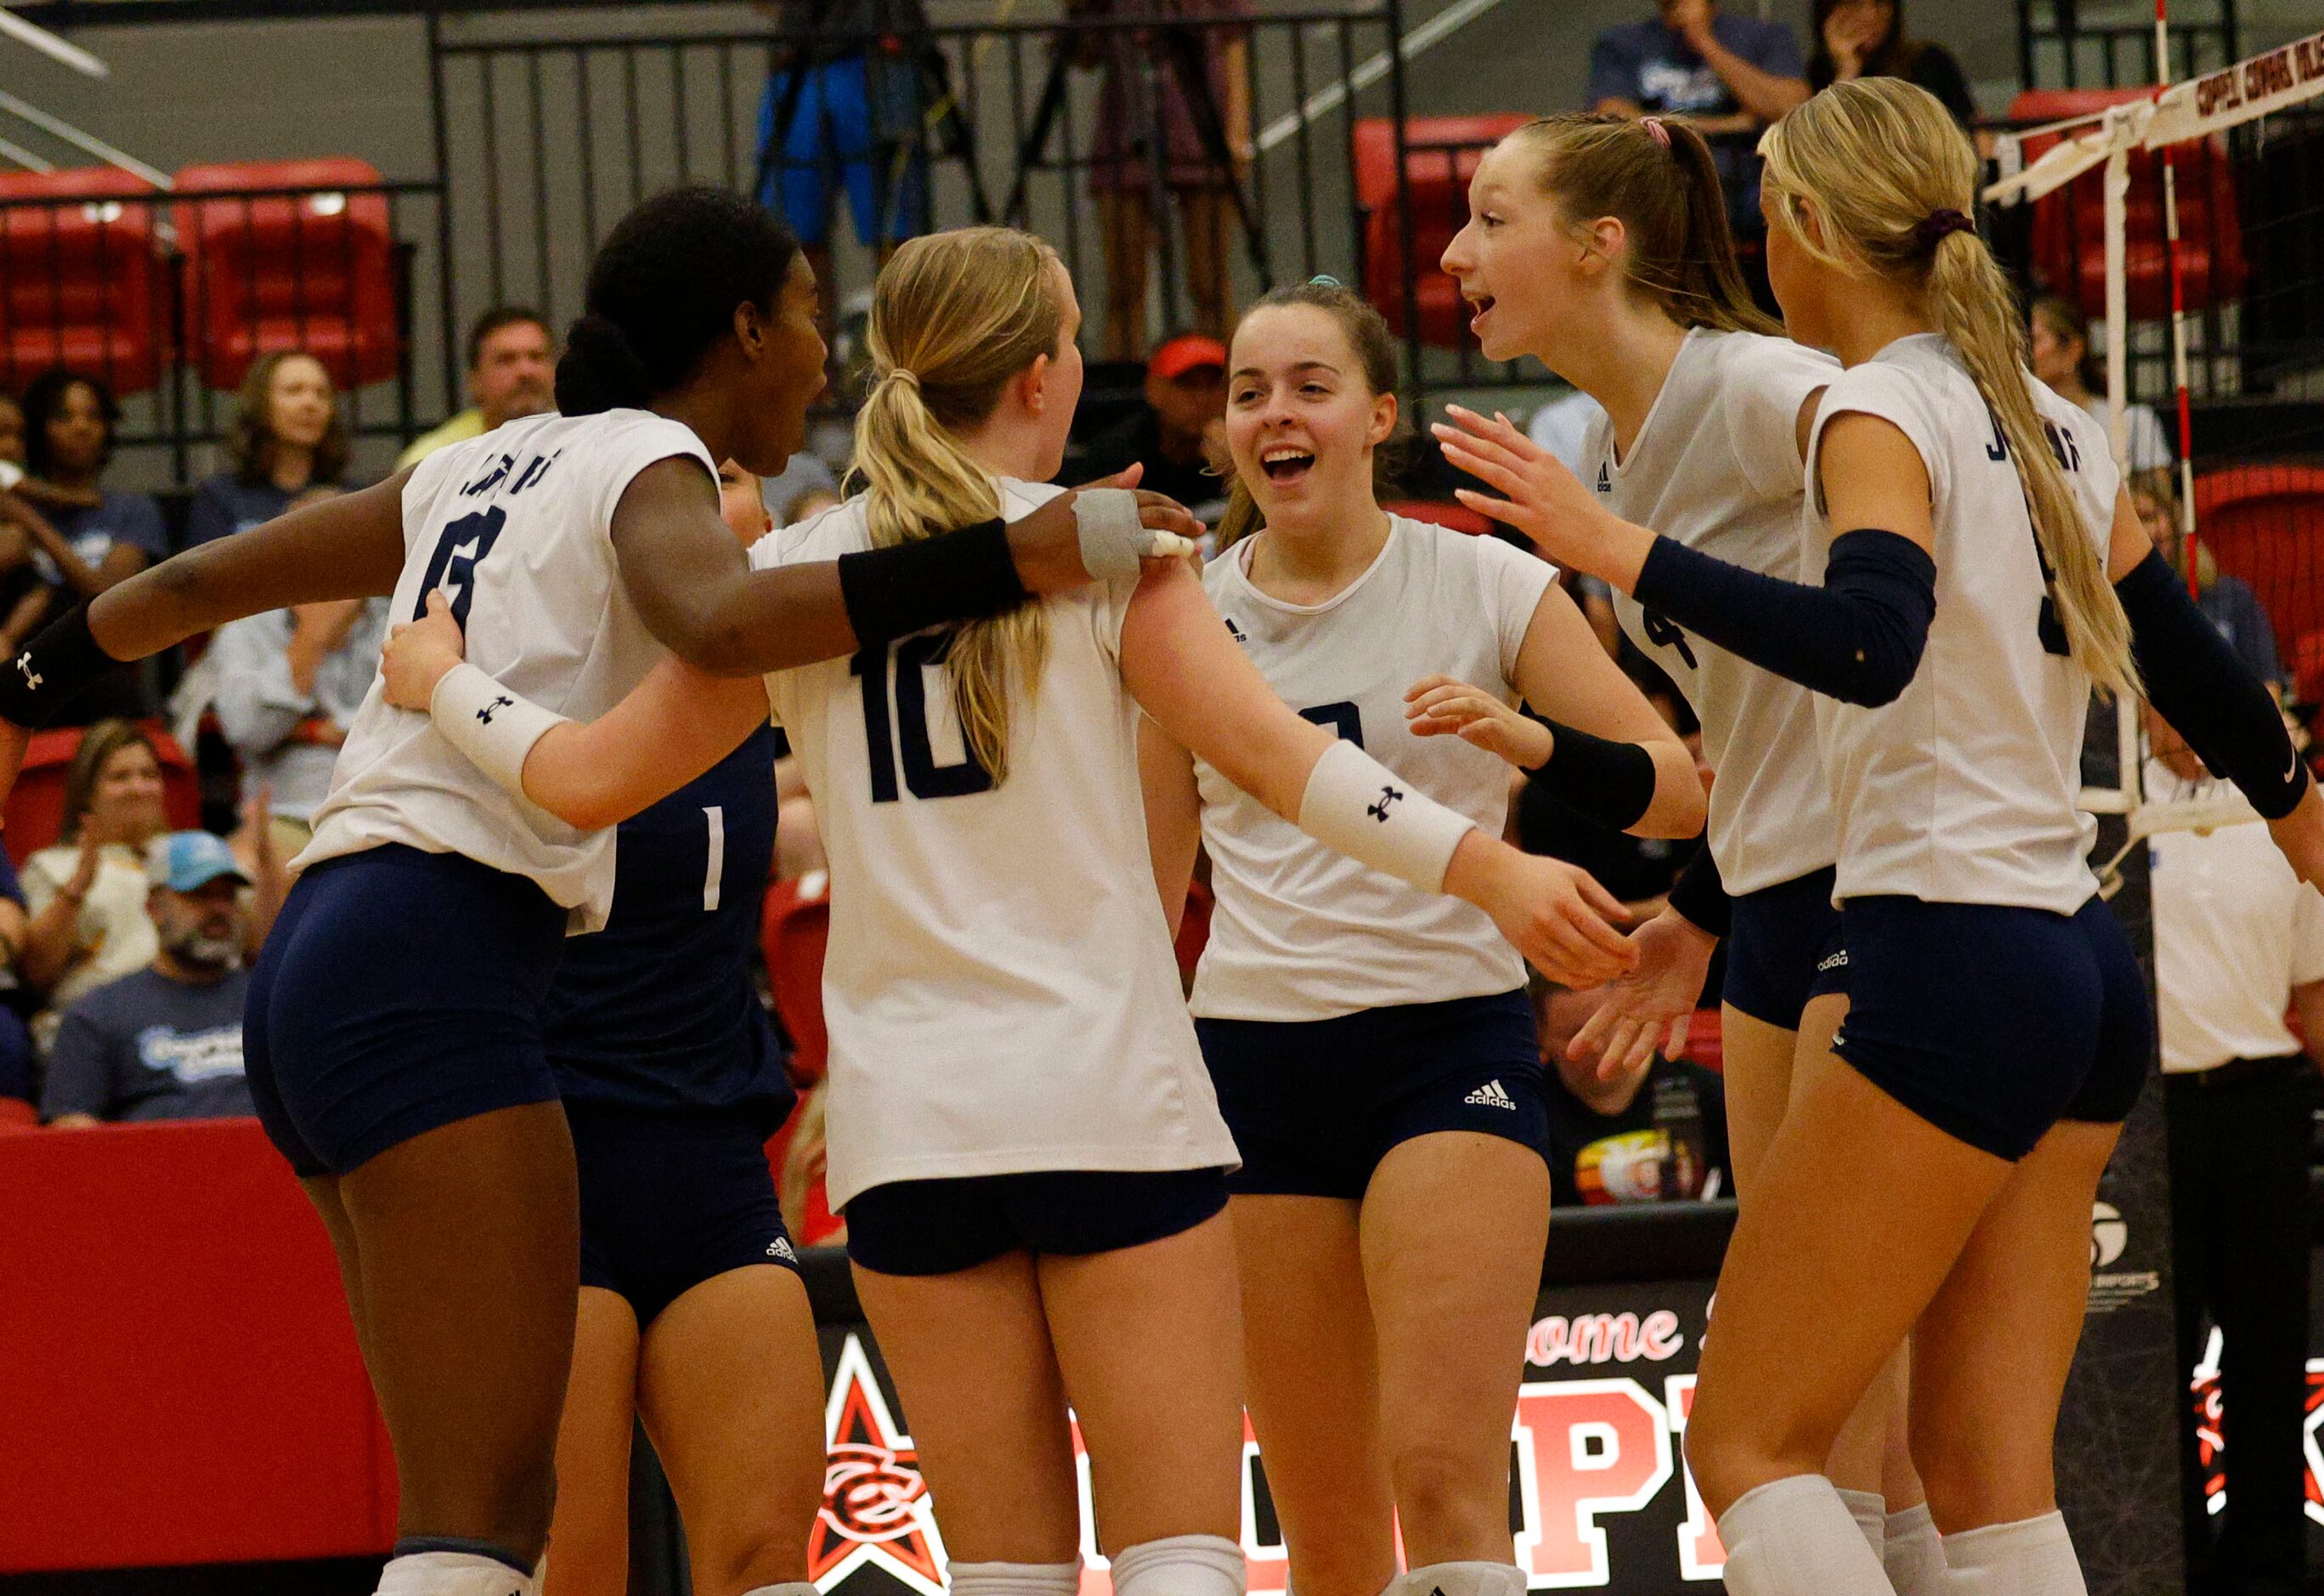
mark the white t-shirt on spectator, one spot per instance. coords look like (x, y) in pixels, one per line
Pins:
(2235, 931)
(2149, 447)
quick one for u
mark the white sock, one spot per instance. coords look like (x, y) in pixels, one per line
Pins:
(2032, 1557)
(1869, 1508)
(445, 1572)
(990, 1579)
(1462, 1578)
(1915, 1553)
(1794, 1537)
(1181, 1565)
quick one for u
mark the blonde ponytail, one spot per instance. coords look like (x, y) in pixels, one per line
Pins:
(1881, 159)
(954, 316)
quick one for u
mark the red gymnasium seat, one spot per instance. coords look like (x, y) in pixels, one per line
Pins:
(2265, 523)
(17, 1114)
(1457, 518)
(79, 283)
(2069, 225)
(793, 931)
(1441, 154)
(35, 813)
(308, 271)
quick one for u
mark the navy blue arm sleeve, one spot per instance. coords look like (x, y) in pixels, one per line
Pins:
(1700, 896)
(1858, 638)
(1609, 782)
(2208, 694)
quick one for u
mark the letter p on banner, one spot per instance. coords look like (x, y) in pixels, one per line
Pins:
(1585, 1447)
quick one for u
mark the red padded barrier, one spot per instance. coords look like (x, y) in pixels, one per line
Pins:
(1441, 154)
(177, 1368)
(79, 282)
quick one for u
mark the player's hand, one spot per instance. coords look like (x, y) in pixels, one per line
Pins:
(1046, 545)
(1545, 502)
(1555, 913)
(419, 654)
(2299, 836)
(1443, 707)
(1652, 1003)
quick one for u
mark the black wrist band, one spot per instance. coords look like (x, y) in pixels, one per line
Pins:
(894, 592)
(1700, 896)
(62, 658)
(1609, 782)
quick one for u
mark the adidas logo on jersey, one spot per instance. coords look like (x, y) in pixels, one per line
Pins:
(1605, 479)
(781, 1247)
(1235, 632)
(1491, 1095)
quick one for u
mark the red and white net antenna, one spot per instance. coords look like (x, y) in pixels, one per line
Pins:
(2178, 305)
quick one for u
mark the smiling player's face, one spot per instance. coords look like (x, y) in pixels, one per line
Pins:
(1302, 421)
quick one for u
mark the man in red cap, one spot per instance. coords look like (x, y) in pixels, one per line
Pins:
(1186, 405)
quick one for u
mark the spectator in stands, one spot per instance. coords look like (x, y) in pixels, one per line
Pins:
(287, 435)
(1655, 1134)
(165, 1042)
(1171, 433)
(806, 486)
(1728, 74)
(2064, 357)
(287, 688)
(511, 373)
(2238, 941)
(1866, 39)
(87, 892)
(2227, 601)
(1192, 83)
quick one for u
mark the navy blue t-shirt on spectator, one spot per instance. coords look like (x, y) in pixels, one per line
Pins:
(94, 530)
(148, 1048)
(1651, 65)
(659, 1010)
(223, 505)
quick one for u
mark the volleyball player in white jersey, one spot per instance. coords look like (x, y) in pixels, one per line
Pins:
(1599, 246)
(1373, 1046)
(394, 1034)
(1023, 1138)
(1963, 524)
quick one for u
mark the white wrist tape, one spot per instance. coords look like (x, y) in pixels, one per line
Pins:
(1359, 806)
(1113, 538)
(489, 724)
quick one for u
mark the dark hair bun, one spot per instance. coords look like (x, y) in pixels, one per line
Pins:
(600, 370)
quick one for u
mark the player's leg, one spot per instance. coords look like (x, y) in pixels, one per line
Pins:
(1126, 216)
(956, 1304)
(468, 1236)
(1453, 1227)
(1313, 1398)
(731, 1386)
(1148, 1338)
(591, 1529)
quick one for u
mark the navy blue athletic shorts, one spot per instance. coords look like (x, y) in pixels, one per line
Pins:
(940, 1227)
(1994, 1023)
(398, 991)
(1316, 1105)
(672, 1197)
(1783, 948)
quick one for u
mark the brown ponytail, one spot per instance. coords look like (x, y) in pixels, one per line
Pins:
(1893, 179)
(1658, 180)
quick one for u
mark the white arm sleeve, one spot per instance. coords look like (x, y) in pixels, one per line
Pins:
(1358, 807)
(493, 726)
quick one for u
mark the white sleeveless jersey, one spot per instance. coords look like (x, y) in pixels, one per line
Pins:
(1716, 466)
(1963, 790)
(1000, 989)
(515, 527)
(1301, 932)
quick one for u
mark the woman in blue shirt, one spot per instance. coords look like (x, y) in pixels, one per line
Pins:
(287, 435)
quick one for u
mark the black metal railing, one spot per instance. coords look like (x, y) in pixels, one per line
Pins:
(2060, 48)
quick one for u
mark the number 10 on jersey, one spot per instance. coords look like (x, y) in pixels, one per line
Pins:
(923, 777)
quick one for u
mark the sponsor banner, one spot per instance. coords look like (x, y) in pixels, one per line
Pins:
(1599, 1498)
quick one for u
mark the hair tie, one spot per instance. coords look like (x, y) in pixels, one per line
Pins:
(1656, 130)
(904, 375)
(1932, 231)
(1325, 280)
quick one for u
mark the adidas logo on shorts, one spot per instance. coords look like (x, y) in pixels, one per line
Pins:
(1838, 960)
(781, 1247)
(1491, 1095)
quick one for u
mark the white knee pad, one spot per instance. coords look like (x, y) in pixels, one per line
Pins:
(788, 1587)
(1462, 1578)
(1914, 1554)
(1794, 1537)
(453, 1574)
(2032, 1557)
(999, 1578)
(1181, 1565)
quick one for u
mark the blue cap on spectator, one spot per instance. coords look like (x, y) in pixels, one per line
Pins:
(184, 861)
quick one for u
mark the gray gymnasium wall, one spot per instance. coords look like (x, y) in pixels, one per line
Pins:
(258, 90)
